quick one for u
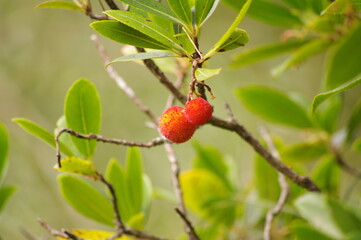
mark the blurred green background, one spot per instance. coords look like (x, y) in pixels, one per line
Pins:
(42, 52)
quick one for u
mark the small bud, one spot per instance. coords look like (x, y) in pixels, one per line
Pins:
(198, 111)
(174, 125)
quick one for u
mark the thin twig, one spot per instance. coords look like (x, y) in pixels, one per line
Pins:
(99, 138)
(188, 223)
(285, 189)
(118, 221)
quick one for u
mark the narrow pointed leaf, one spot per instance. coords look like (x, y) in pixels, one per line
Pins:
(5, 193)
(354, 122)
(134, 179)
(356, 146)
(326, 174)
(265, 173)
(41, 133)
(115, 174)
(345, 216)
(313, 207)
(204, 9)
(147, 27)
(304, 151)
(60, 4)
(4, 148)
(320, 98)
(212, 160)
(305, 232)
(344, 63)
(182, 9)
(230, 30)
(238, 38)
(268, 12)
(303, 53)
(121, 33)
(77, 166)
(82, 111)
(205, 73)
(86, 200)
(338, 7)
(266, 51)
(142, 56)
(274, 106)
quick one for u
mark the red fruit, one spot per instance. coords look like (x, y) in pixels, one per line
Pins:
(174, 125)
(198, 111)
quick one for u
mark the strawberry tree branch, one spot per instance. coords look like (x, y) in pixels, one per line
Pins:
(285, 189)
(240, 130)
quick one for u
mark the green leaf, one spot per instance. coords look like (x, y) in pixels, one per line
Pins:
(314, 208)
(354, 122)
(328, 114)
(147, 27)
(266, 180)
(4, 148)
(230, 30)
(356, 146)
(78, 166)
(199, 187)
(301, 54)
(326, 175)
(115, 174)
(205, 73)
(147, 193)
(344, 216)
(321, 97)
(183, 10)
(338, 7)
(86, 200)
(266, 51)
(203, 10)
(60, 4)
(137, 221)
(274, 106)
(142, 56)
(153, 7)
(134, 179)
(212, 160)
(41, 133)
(238, 38)
(304, 151)
(82, 111)
(121, 33)
(344, 63)
(268, 12)
(5, 193)
(306, 232)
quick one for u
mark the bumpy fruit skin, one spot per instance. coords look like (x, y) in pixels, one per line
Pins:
(174, 125)
(198, 111)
